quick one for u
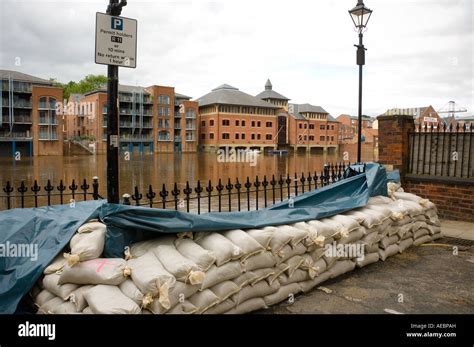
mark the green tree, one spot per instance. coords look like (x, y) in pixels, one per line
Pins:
(87, 84)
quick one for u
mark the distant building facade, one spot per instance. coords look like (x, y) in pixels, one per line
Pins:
(29, 124)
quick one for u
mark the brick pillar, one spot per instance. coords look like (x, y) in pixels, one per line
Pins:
(394, 141)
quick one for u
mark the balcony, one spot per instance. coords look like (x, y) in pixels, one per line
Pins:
(177, 139)
(43, 121)
(177, 126)
(147, 125)
(125, 124)
(193, 128)
(18, 119)
(136, 138)
(7, 136)
(125, 98)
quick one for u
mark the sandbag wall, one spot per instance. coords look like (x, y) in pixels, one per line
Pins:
(233, 271)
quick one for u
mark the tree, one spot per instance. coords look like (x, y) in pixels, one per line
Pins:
(87, 84)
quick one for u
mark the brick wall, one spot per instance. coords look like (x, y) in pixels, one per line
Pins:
(454, 197)
(454, 200)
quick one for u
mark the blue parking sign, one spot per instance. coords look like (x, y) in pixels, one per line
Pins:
(117, 23)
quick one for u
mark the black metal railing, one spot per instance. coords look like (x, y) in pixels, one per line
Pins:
(226, 195)
(36, 195)
(443, 151)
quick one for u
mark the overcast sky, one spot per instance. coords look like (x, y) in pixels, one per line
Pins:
(420, 52)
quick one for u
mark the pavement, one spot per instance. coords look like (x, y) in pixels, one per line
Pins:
(435, 278)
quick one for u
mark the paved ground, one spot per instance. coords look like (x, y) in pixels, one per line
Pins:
(424, 279)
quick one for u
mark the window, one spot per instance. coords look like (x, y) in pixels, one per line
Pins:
(332, 127)
(225, 136)
(258, 124)
(164, 136)
(237, 123)
(211, 136)
(253, 123)
(237, 136)
(243, 123)
(269, 124)
(268, 137)
(305, 125)
(163, 111)
(203, 136)
(203, 123)
(163, 99)
(253, 137)
(225, 122)
(258, 136)
(332, 138)
(190, 113)
(322, 127)
(243, 136)
(311, 137)
(311, 126)
(211, 122)
(301, 126)
(322, 138)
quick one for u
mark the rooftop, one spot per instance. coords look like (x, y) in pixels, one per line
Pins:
(269, 93)
(22, 77)
(228, 95)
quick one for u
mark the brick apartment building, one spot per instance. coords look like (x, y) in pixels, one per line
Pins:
(349, 125)
(28, 121)
(232, 118)
(152, 119)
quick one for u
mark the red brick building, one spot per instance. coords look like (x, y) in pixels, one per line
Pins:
(29, 124)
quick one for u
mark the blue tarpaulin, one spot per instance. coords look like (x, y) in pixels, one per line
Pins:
(51, 228)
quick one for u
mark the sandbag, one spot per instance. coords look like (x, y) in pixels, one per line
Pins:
(349, 223)
(111, 271)
(225, 289)
(50, 305)
(56, 266)
(105, 299)
(262, 236)
(151, 277)
(184, 307)
(131, 290)
(204, 300)
(87, 310)
(248, 306)
(388, 252)
(259, 261)
(306, 286)
(379, 200)
(176, 295)
(288, 251)
(92, 226)
(387, 241)
(78, 299)
(66, 307)
(341, 267)
(259, 290)
(191, 250)
(352, 237)
(176, 264)
(369, 258)
(220, 246)
(86, 246)
(262, 274)
(248, 245)
(284, 293)
(141, 248)
(221, 307)
(297, 276)
(246, 278)
(43, 297)
(421, 240)
(420, 232)
(404, 244)
(222, 273)
(50, 282)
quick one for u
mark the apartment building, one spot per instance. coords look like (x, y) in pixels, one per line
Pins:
(426, 115)
(349, 125)
(29, 124)
(311, 127)
(232, 118)
(151, 120)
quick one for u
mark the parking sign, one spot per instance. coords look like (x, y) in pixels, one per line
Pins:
(115, 40)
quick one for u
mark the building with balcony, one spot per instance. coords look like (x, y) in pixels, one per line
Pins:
(349, 125)
(232, 118)
(152, 119)
(29, 124)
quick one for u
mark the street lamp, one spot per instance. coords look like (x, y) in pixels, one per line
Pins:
(360, 16)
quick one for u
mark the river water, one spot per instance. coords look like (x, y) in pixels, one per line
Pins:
(160, 169)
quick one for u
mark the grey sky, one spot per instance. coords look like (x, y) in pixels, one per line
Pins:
(420, 52)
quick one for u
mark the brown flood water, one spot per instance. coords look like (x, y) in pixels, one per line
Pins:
(158, 169)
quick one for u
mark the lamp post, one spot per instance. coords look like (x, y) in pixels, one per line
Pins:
(360, 16)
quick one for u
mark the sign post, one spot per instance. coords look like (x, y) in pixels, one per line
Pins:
(115, 45)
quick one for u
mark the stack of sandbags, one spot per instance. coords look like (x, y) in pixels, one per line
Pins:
(232, 271)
